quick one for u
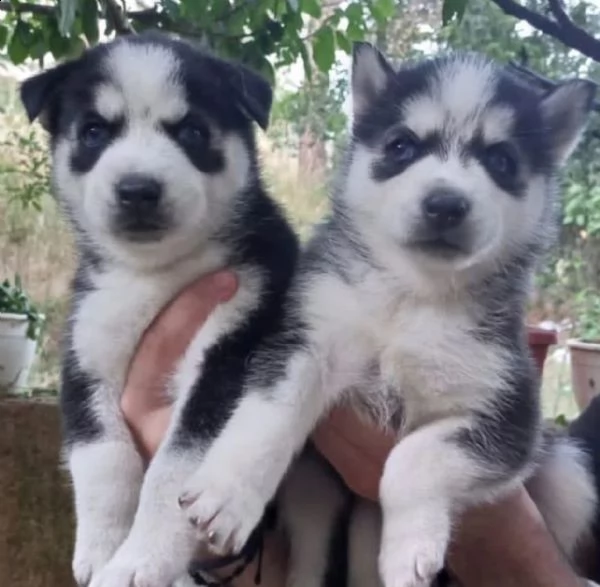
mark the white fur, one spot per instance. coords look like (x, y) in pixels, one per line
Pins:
(563, 490)
(107, 477)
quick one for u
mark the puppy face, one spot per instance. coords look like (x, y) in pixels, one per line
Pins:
(453, 160)
(151, 142)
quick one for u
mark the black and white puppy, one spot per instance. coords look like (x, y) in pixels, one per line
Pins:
(410, 302)
(155, 165)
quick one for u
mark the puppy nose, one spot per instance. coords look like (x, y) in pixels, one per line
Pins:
(138, 191)
(445, 209)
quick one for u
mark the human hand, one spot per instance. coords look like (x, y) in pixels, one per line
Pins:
(356, 450)
(144, 403)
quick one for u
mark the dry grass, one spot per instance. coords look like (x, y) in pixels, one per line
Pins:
(39, 247)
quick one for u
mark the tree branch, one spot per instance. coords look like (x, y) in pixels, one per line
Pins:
(28, 8)
(563, 29)
(148, 15)
(117, 17)
(559, 12)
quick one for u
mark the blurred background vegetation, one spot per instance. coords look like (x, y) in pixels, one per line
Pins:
(303, 46)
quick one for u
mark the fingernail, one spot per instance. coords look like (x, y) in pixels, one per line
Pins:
(185, 500)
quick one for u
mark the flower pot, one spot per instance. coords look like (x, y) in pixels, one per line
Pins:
(17, 352)
(585, 370)
(540, 339)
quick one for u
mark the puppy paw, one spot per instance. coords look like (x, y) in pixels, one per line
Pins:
(125, 571)
(223, 509)
(93, 552)
(411, 563)
(413, 553)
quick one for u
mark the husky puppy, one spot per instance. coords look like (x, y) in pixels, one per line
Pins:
(409, 302)
(155, 166)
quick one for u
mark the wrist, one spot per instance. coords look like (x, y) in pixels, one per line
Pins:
(507, 545)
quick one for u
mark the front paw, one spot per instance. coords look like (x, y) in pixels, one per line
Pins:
(223, 509)
(134, 571)
(93, 553)
(413, 552)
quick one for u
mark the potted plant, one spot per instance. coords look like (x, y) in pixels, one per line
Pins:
(20, 324)
(540, 340)
(585, 348)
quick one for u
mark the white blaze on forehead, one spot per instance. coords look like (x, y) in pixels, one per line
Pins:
(461, 90)
(144, 83)
(497, 124)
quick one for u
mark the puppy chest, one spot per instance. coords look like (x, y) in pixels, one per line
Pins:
(430, 355)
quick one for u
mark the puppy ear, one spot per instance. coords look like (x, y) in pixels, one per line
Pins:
(252, 93)
(39, 92)
(371, 72)
(565, 110)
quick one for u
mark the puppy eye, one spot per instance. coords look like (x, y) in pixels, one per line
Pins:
(404, 148)
(95, 134)
(500, 159)
(192, 133)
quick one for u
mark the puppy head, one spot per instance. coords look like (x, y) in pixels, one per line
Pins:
(453, 159)
(152, 143)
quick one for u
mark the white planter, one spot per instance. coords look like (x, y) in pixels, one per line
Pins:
(17, 352)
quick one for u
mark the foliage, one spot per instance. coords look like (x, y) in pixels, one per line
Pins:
(317, 105)
(14, 300)
(261, 33)
(588, 314)
(26, 173)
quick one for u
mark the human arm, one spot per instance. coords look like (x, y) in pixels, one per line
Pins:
(504, 544)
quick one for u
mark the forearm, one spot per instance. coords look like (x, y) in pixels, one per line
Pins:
(507, 545)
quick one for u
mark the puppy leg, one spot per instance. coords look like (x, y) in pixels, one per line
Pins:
(311, 503)
(429, 477)
(564, 492)
(162, 542)
(107, 473)
(364, 542)
(245, 465)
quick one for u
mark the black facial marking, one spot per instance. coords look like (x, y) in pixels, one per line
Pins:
(501, 161)
(403, 150)
(194, 137)
(93, 136)
(528, 134)
(385, 111)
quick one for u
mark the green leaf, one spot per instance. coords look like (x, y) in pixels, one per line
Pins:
(17, 46)
(68, 8)
(265, 68)
(57, 44)
(324, 48)
(386, 8)
(355, 26)
(76, 47)
(343, 42)
(89, 20)
(311, 7)
(3, 35)
(453, 9)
